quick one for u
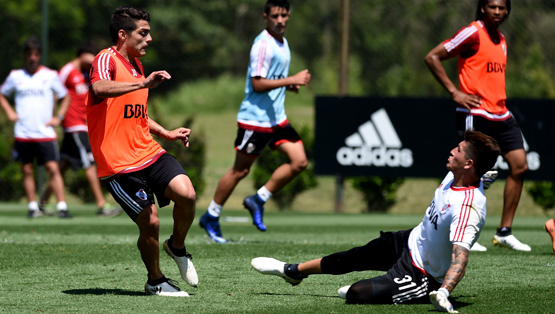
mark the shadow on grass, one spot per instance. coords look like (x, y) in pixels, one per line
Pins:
(99, 291)
(297, 295)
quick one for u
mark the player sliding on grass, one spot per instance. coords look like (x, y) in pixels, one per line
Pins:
(423, 263)
(482, 56)
(262, 121)
(130, 162)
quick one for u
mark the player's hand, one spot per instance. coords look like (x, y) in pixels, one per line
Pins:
(55, 121)
(155, 78)
(302, 78)
(466, 100)
(293, 88)
(441, 302)
(180, 134)
(12, 116)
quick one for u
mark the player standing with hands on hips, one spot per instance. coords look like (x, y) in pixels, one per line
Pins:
(130, 162)
(482, 57)
(262, 121)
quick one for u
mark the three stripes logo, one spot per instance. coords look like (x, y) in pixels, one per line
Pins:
(376, 143)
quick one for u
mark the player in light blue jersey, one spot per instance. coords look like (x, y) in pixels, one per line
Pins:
(262, 121)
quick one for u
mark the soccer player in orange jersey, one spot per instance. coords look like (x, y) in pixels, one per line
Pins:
(480, 97)
(129, 161)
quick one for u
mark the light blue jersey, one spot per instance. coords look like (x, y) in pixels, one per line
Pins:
(268, 59)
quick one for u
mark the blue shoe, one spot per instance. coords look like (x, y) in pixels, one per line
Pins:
(255, 206)
(212, 226)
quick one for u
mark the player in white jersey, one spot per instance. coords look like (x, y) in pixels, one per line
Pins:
(35, 88)
(428, 260)
(262, 121)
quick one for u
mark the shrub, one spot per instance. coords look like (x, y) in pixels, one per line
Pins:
(10, 171)
(379, 193)
(543, 193)
(270, 160)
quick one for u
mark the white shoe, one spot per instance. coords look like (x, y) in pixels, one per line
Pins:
(185, 265)
(342, 292)
(271, 266)
(167, 288)
(477, 247)
(510, 242)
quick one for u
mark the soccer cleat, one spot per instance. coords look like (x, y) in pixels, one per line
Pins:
(167, 288)
(212, 227)
(271, 266)
(108, 211)
(550, 228)
(64, 214)
(185, 265)
(489, 177)
(34, 214)
(477, 247)
(255, 206)
(342, 292)
(44, 211)
(510, 242)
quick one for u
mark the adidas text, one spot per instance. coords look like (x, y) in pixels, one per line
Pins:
(374, 156)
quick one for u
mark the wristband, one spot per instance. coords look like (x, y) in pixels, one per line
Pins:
(61, 117)
(444, 291)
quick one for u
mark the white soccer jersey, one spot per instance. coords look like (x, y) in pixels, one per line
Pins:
(34, 102)
(455, 216)
(268, 59)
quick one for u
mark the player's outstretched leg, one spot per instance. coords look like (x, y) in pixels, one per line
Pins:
(255, 206)
(271, 266)
(211, 225)
(183, 261)
(164, 287)
(550, 228)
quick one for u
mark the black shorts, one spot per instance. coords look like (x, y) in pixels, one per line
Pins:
(253, 143)
(135, 190)
(27, 152)
(506, 132)
(403, 282)
(76, 150)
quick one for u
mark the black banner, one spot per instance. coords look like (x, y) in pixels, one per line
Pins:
(412, 137)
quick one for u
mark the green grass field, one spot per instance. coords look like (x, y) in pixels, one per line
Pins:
(91, 265)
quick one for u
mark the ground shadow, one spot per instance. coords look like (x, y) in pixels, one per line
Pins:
(100, 291)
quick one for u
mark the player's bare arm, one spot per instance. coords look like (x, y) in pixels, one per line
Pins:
(170, 135)
(262, 85)
(433, 60)
(457, 269)
(108, 88)
(8, 109)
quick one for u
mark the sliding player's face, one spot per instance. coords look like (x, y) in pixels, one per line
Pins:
(457, 158)
(138, 40)
(276, 20)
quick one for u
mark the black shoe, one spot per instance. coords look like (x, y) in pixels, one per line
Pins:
(64, 214)
(108, 211)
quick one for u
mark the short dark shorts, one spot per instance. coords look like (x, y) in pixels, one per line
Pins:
(253, 143)
(506, 132)
(43, 152)
(76, 150)
(136, 190)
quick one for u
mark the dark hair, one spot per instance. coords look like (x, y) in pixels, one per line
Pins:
(125, 18)
(276, 3)
(483, 3)
(33, 42)
(482, 149)
(87, 47)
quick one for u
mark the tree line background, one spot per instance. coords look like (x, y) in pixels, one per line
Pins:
(210, 39)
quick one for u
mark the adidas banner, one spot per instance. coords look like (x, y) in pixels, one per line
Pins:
(412, 137)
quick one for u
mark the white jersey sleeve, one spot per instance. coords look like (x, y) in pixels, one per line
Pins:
(260, 59)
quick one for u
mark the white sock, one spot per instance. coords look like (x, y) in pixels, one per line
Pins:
(264, 194)
(61, 206)
(214, 209)
(34, 206)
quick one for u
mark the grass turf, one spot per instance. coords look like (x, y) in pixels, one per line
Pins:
(91, 265)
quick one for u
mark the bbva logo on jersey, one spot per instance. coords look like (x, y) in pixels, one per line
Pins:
(375, 144)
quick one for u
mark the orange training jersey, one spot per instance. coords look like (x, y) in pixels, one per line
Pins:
(483, 74)
(118, 127)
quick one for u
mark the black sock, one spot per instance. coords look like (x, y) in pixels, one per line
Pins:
(156, 281)
(292, 270)
(503, 232)
(177, 252)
